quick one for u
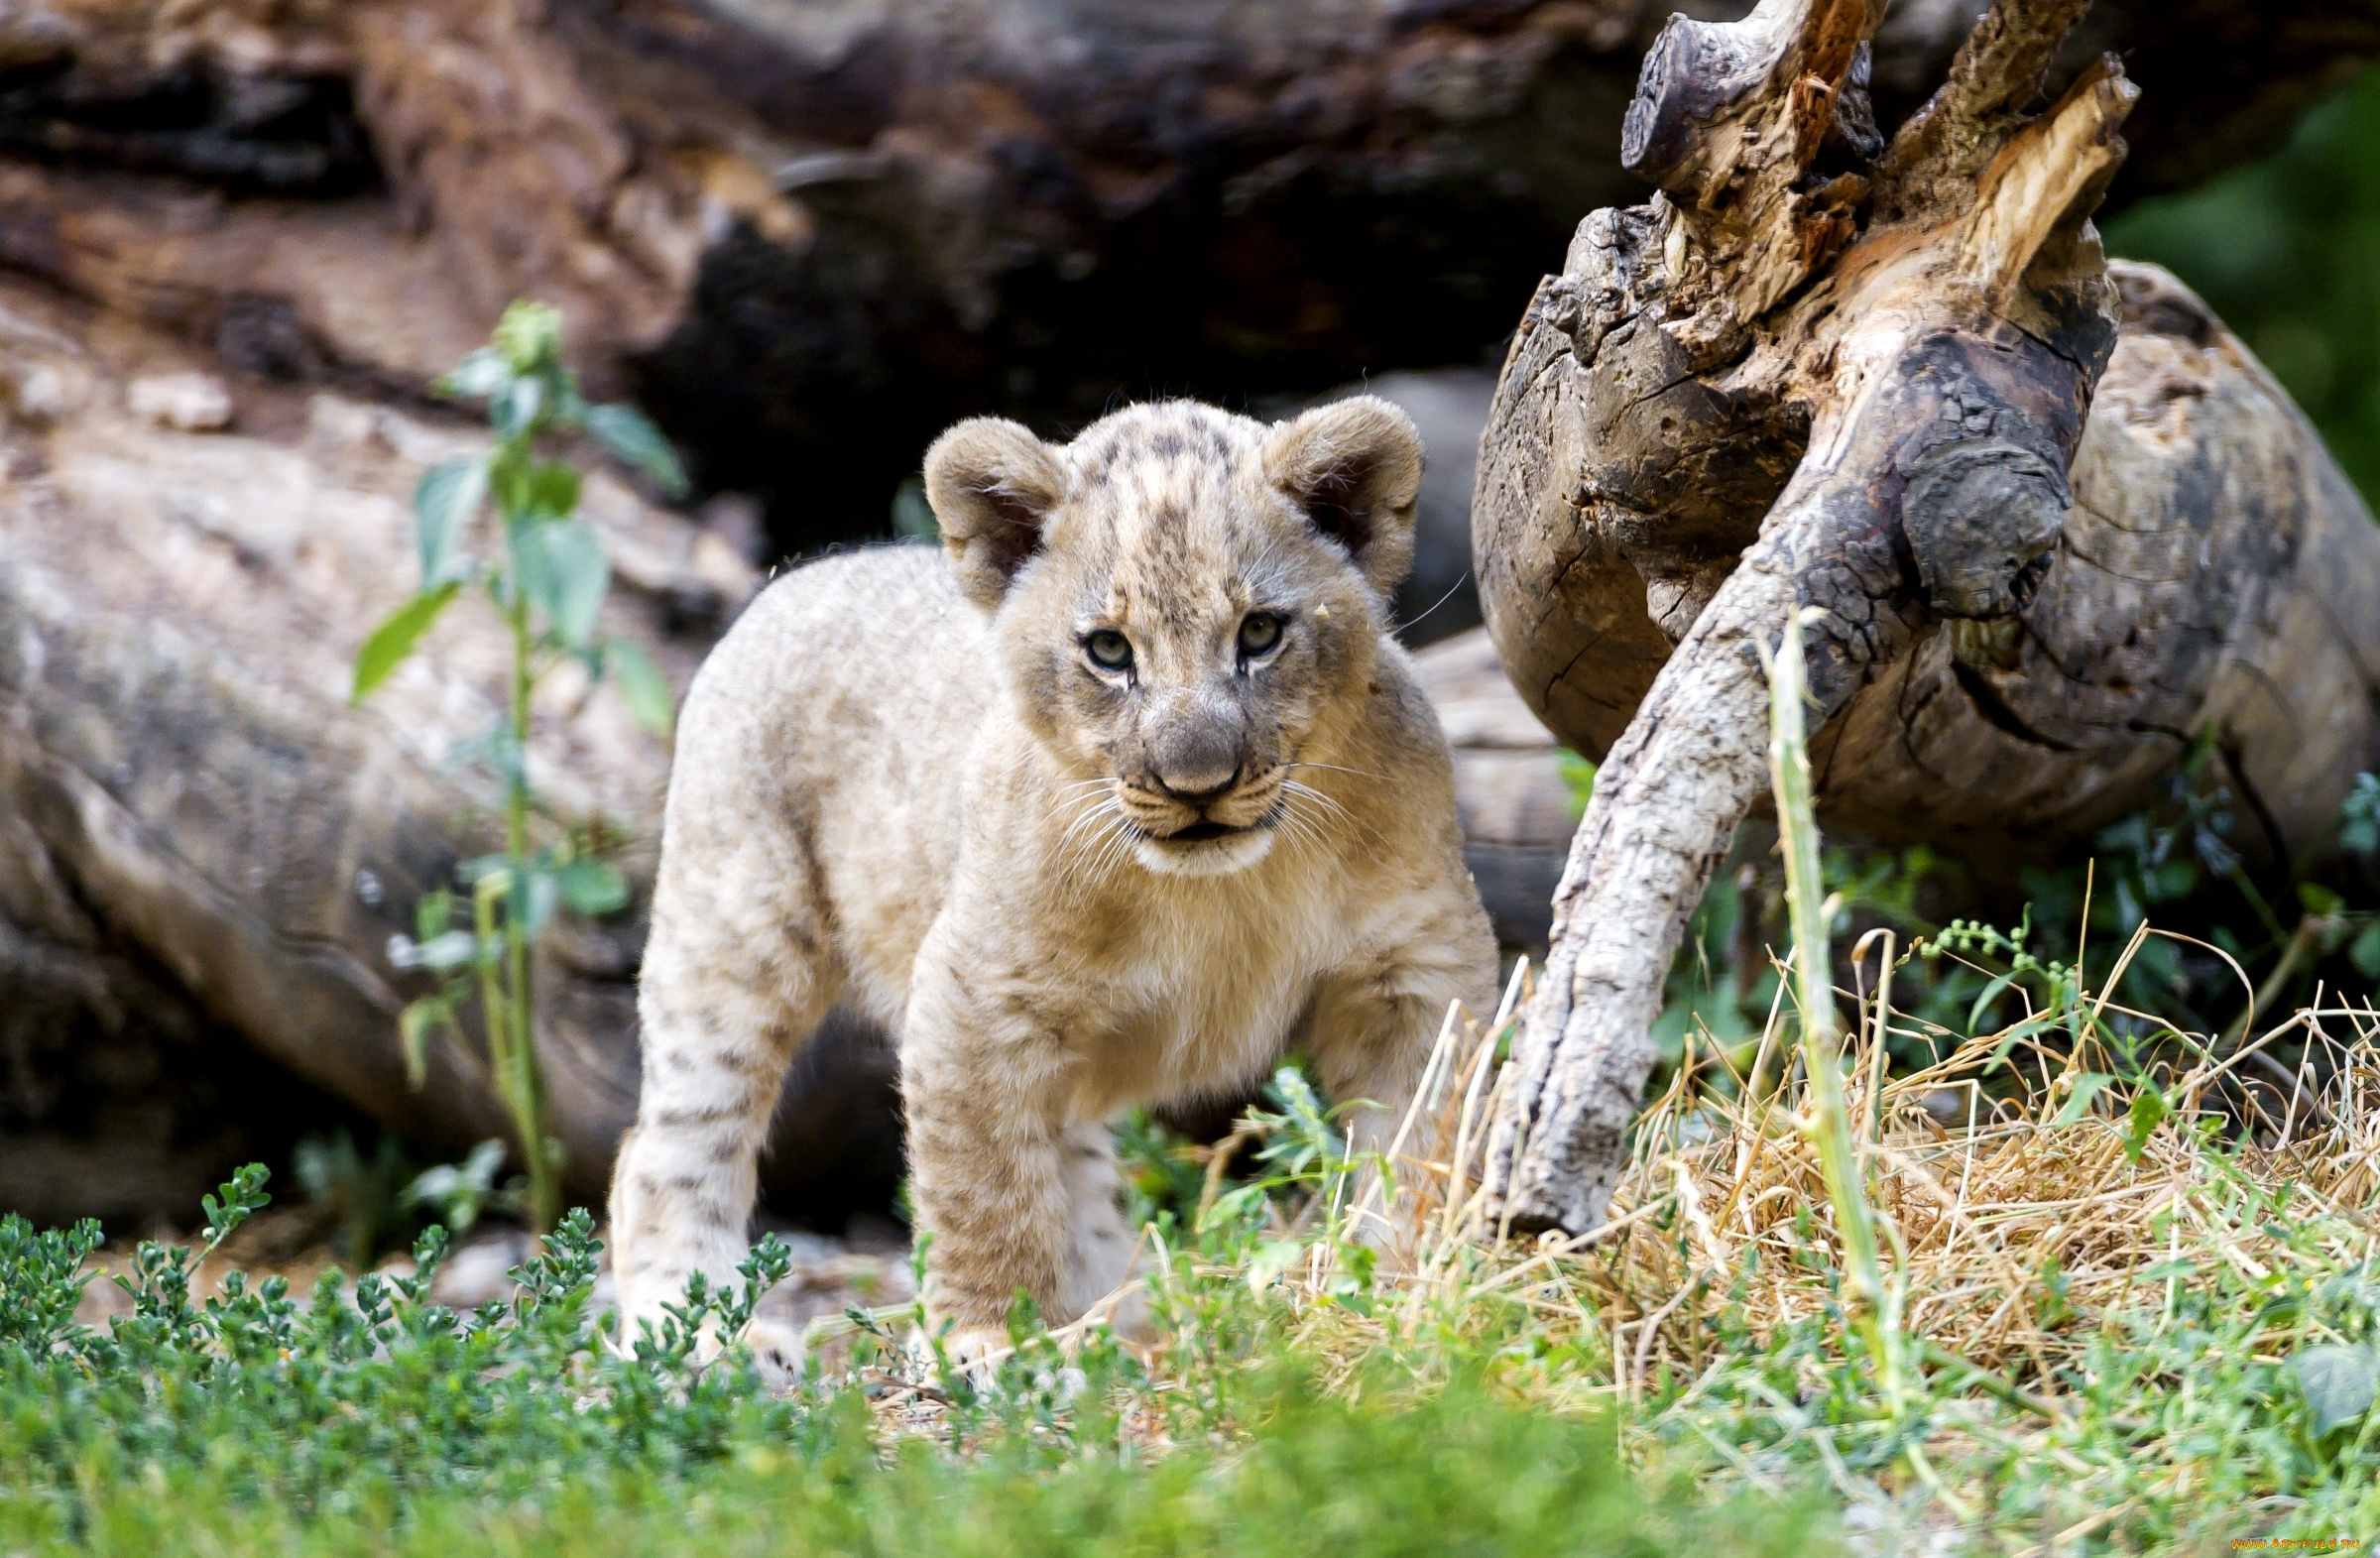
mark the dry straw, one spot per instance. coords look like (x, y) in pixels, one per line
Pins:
(1981, 1203)
(1981, 1196)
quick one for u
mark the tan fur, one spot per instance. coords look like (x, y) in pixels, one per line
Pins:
(904, 782)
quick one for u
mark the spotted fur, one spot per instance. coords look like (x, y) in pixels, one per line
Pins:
(904, 781)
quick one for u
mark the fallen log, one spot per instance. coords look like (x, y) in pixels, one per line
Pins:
(1826, 373)
(812, 236)
(200, 842)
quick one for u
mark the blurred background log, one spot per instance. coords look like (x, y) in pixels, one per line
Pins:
(810, 235)
(242, 236)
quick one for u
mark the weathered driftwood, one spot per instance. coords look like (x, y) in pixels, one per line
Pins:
(814, 234)
(1821, 373)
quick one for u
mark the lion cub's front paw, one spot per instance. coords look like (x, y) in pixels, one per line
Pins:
(976, 1352)
(780, 1351)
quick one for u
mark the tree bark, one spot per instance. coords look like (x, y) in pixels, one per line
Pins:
(1827, 374)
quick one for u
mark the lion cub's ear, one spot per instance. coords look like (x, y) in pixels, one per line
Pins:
(993, 485)
(1354, 468)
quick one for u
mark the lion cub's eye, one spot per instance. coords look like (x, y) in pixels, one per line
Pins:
(1260, 633)
(1109, 650)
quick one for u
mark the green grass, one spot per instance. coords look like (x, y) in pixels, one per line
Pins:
(1458, 1473)
(372, 1420)
(1297, 1399)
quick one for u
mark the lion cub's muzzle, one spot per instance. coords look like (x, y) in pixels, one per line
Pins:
(1173, 814)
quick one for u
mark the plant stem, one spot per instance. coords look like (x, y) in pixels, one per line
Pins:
(522, 1086)
(1814, 988)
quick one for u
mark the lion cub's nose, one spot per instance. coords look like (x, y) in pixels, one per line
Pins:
(1197, 791)
(1195, 765)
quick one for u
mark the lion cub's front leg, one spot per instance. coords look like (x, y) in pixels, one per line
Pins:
(1375, 1022)
(1017, 1192)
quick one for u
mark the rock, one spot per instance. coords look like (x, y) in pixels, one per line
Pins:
(186, 401)
(476, 1270)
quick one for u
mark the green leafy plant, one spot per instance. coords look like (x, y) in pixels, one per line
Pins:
(456, 1194)
(363, 1192)
(545, 576)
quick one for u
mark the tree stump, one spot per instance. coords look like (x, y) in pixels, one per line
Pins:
(1829, 373)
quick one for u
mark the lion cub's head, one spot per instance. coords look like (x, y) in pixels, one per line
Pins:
(1188, 604)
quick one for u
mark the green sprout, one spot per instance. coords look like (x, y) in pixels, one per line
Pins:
(546, 581)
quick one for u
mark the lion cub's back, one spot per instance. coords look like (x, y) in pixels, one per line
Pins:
(833, 720)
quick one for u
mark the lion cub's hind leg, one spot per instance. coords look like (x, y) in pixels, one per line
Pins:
(737, 974)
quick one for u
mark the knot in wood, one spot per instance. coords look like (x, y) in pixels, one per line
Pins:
(1978, 512)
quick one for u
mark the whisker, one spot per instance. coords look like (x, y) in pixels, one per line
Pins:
(1440, 601)
(1299, 826)
(1087, 861)
(1062, 804)
(1087, 818)
(1118, 846)
(1309, 793)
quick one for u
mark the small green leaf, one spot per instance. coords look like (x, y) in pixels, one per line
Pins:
(592, 888)
(478, 376)
(415, 1024)
(448, 950)
(2340, 1384)
(508, 480)
(563, 570)
(394, 639)
(533, 489)
(1578, 776)
(2088, 1086)
(528, 335)
(1231, 1204)
(552, 489)
(481, 867)
(1272, 1258)
(444, 504)
(514, 411)
(1991, 993)
(2365, 953)
(628, 433)
(2009, 1035)
(2319, 900)
(544, 892)
(2149, 1110)
(643, 687)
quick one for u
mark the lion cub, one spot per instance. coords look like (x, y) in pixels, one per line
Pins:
(1114, 800)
